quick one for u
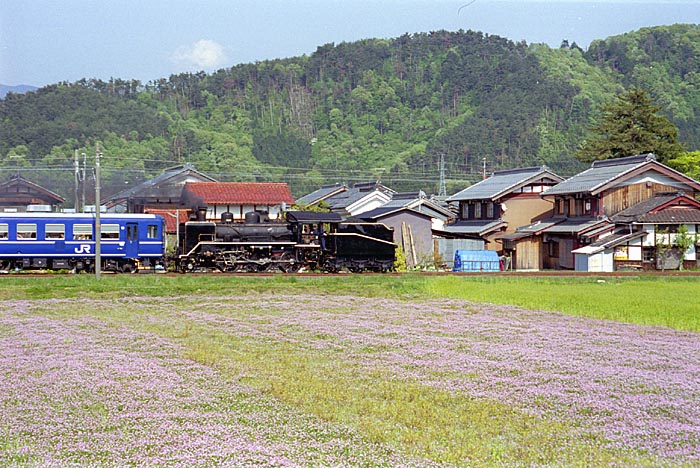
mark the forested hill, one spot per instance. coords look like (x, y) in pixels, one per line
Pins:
(377, 108)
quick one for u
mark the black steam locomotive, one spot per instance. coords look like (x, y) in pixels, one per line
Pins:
(306, 241)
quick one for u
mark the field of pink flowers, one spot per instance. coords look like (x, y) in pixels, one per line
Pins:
(119, 382)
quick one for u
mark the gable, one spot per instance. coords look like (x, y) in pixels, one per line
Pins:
(502, 183)
(22, 191)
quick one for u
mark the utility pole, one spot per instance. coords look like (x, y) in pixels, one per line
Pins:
(484, 170)
(98, 226)
(82, 203)
(76, 166)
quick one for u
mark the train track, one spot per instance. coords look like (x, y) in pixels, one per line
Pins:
(509, 274)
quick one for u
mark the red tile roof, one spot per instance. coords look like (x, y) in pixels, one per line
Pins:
(240, 193)
(171, 217)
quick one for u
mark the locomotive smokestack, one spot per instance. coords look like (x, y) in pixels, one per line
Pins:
(201, 213)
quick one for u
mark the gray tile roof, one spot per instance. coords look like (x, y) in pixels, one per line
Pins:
(632, 213)
(387, 210)
(608, 242)
(503, 182)
(320, 194)
(577, 226)
(162, 185)
(344, 199)
(671, 216)
(600, 174)
(481, 227)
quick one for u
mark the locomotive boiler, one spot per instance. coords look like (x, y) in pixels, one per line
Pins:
(305, 240)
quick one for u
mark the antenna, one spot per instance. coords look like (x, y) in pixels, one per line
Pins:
(442, 192)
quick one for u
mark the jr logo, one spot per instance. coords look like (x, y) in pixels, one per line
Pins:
(83, 249)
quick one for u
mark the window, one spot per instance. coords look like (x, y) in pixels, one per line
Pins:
(648, 254)
(26, 231)
(477, 210)
(554, 248)
(109, 231)
(152, 231)
(3, 231)
(489, 210)
(560, 207)
(82, 231)
(55, 231)
(132, 232)
(667, 228)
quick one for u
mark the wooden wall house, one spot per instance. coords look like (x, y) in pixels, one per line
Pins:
(585, 203)
(645, 235)
(18, 194)
(494, 207)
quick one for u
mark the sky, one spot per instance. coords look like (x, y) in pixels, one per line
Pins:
(48, 41)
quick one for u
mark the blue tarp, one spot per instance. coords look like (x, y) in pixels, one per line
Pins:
(476, 260)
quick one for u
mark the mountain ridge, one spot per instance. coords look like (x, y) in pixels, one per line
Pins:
(386, 109)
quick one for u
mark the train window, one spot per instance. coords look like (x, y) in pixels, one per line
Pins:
(3, 231)
(132, 232)
(26, 231)
(109, 231)
(55, 231)
(152, 231)
(82, 231)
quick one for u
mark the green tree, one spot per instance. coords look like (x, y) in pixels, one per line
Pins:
(687, 163)
(631, 125)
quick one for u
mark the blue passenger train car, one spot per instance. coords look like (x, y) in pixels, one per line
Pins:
(66, 241)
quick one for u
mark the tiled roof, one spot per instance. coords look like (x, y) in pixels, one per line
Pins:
(321, 194)
(600, 173)
(172, 217)
(662, 208)
(577, 226)
(166, 185)
(240, 193)
(606, 173)
(609, 242)
(503, 182)
(19, 181)
(675, 215)
(481, 228)
(387, 210)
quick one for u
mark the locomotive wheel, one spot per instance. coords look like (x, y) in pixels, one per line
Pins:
(286, 263)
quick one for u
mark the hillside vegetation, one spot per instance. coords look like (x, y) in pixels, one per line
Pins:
(376, 108)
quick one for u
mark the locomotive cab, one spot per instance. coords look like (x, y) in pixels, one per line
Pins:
(194, 232)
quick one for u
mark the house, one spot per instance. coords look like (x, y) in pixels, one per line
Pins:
(496, 206)
(238, 198)
(161, 192)
(412, 231)
(584, 204)
(644, 237)
(359, 198)
(19, 194)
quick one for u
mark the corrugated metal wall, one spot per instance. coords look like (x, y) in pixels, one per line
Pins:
(446, 248)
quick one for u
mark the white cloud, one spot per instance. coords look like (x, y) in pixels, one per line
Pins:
(203, 55)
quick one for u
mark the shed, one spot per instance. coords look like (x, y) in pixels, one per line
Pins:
(476, 261)
(412, 231)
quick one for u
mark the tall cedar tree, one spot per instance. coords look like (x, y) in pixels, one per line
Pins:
(629, 126)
